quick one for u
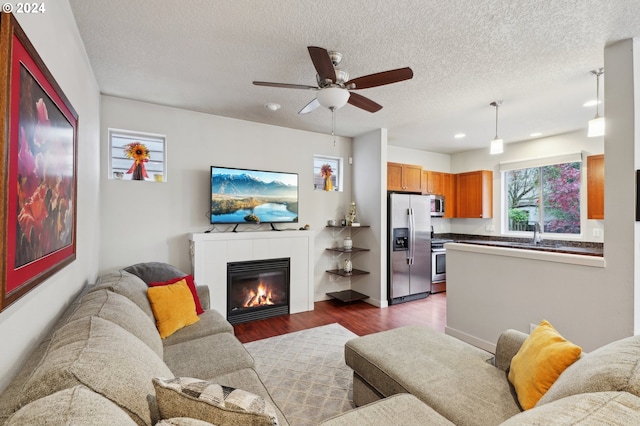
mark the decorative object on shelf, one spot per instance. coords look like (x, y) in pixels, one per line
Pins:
(140, 155)
(39, 168)
(352, 216)
(497, 144)
(347, 243)
(348, 266)
(158, 177)
(325, 172)
(596, 124)
(332, 222)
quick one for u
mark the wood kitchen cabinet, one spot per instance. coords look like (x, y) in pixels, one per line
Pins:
(474, 194)
(432, 182)
(404, 177)
(595, 186)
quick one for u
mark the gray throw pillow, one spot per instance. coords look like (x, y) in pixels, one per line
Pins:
(153, 272)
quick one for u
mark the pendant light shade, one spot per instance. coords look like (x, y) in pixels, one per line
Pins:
(497, 144)
(596, 125)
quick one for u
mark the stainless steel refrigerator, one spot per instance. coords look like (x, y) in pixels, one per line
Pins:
(409, 251)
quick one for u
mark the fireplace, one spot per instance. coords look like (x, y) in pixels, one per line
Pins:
(257, 289)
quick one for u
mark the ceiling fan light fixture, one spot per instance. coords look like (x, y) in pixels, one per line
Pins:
(333, 97)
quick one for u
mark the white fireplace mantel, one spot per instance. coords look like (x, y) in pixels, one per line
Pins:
(210, 253)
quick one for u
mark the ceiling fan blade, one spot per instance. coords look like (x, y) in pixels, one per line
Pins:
(380, 79)
(322, 63)
(310, 106)
(364, 103)
(285, 85)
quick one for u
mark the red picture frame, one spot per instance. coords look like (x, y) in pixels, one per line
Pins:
(38, 167)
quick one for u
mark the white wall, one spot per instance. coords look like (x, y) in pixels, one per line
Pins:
(480, 159)
(55, 37)
(369, 186)
(428, 160)
(149, 221)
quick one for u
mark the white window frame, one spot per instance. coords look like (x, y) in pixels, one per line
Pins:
(156, 167)
(541, 162)
(338, 172)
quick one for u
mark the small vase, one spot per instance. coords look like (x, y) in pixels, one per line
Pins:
(347, 243)
(138, 172)
(348, 266)
(328, 185)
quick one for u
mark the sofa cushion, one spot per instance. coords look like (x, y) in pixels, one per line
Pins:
(543, 356)
(598, 408)
(173, 307)
(123, 312)
(211, 322)
(105, 358)
(613, 367)
(74, 406)
(399, 409)
(211, 402)
(129, 286)
(192, 288)
(216, 354)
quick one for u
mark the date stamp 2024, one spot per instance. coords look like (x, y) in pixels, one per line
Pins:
(24, 7)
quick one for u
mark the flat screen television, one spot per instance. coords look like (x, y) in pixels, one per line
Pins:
(253, 196)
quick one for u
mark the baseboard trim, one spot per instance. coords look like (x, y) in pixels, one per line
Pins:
(472, 340)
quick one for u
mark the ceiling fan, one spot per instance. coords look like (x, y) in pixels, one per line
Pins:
(334, 89)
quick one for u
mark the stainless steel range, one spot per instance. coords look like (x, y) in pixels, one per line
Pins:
(438, 265)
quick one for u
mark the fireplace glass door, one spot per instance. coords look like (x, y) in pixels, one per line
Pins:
(257, 289)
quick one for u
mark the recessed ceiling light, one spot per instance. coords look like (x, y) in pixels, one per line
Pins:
(459, 135)
(535, 134)
(591, 103)
(272, 106)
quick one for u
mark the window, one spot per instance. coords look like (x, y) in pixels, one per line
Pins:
(322, 164)
(548, 194)
(119, 164)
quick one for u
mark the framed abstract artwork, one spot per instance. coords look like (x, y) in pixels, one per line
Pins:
(38, 167)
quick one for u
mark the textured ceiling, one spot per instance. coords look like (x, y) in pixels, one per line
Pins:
(203, 55)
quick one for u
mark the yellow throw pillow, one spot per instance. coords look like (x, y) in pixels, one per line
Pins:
(544, 355)
(173, 307)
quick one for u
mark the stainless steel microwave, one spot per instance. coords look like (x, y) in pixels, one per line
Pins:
(437, 205)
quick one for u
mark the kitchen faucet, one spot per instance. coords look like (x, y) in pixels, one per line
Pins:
(537, 233)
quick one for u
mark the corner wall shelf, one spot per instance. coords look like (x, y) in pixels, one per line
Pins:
(342, 273)
(347, 296)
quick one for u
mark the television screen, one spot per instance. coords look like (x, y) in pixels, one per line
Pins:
(253, 196)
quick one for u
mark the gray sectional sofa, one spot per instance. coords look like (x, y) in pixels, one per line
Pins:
(445, 381)
(97, 364)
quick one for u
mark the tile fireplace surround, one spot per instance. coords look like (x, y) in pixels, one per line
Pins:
(210, 253)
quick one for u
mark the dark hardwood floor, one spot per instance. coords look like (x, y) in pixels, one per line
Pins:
(359, 317)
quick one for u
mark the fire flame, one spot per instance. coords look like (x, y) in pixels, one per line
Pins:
(262, 296)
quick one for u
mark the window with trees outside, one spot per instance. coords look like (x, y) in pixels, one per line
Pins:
(548, 194)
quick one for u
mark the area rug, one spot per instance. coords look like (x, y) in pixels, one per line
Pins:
(305, 373)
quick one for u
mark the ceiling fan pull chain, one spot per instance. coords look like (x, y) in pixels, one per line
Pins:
(333, 124)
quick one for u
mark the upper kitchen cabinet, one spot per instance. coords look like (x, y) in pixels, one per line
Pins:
(595, 186)
(440, 183)
(404, 177)
(474, 194)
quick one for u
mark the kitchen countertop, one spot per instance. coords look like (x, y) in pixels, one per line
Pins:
(552, 246)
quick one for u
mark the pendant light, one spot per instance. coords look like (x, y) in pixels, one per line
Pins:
(497, 144)
(596, 125)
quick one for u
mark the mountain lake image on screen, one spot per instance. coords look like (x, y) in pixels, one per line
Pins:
(253, 196)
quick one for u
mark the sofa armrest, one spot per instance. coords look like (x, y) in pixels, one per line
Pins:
(508, 345)
(203, 295)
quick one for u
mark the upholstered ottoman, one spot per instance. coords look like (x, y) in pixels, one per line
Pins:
(401, 409)
(456, 379)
